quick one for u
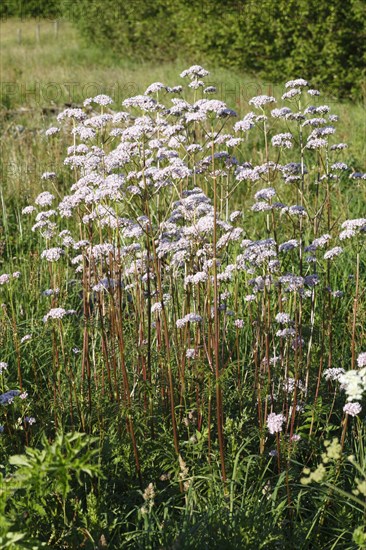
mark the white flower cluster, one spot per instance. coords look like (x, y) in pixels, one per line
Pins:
(333, 253)
(274, 422)
(354, 381)
(5, 278)
(353, 409)
(101, 99)
(44, 199)
(52, 131)
(261, 100)
(57, 313)
(189, 318)
(194, 72)
(352, 228)
(333, 374)
(52, 254)
(283, 140)
(283, 318)
(3, 366)
(297, 83)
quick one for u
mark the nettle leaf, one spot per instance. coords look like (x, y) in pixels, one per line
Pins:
(20, 460)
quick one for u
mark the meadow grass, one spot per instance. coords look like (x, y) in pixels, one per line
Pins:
(170, 330)
(39, 78)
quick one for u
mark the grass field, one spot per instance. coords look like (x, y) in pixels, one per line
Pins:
(182, 321)
(39, 77)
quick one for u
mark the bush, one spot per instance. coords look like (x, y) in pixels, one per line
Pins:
(318, 40)
(29, 8)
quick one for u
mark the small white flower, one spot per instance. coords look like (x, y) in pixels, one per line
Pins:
(292, 93)
(48, 176)
(333, 253)
(57, 313)
(260, 100)
(157, 307)
(297, 83)
(101, 99)
(354, 383)
(333, 373)
(274, 422)
(44, 199)
(3, 366)
(283, 318)
(52, 131)
(154, 88)
(28, 210)
(52, 254)
(4, 279)
(283, 140)
(195, 71)
(189, 318)
(353, 409)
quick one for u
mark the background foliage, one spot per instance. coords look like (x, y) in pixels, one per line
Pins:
(323, 41)
(318, 40)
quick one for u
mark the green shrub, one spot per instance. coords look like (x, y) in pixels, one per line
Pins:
(41, 492)
(29, 8)
(318, 40)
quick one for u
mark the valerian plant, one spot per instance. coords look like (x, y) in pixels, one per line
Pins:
(189, 290)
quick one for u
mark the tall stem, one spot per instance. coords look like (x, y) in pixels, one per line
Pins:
(355, 306)
(219, 411)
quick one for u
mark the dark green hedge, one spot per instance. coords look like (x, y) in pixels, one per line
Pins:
(320, 40)
(30, 8)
